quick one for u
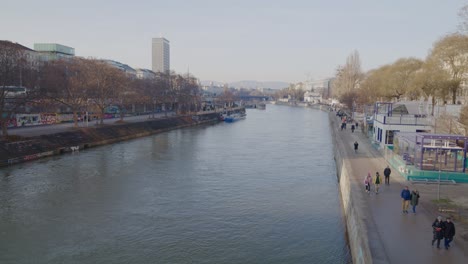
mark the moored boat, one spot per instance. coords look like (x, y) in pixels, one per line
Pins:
(234, 117)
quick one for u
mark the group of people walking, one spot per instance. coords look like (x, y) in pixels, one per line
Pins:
(443, 230)
(377, 180)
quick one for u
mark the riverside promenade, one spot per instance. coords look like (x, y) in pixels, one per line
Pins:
(382, 229)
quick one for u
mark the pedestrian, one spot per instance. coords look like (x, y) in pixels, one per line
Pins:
(357, 124)
(367, 182)
(406, 196)
(377, 182)
(356, 145)
(352, 128)
(414, 199)
(449, 232)
(386, 173)
(437, 230)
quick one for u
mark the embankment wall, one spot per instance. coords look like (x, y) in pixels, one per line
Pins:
(350, 196)
(32, 148)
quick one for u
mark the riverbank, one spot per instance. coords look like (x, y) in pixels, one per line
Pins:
(377, 229)
(38, 146)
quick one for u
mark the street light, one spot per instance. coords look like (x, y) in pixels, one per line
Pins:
(438, 184)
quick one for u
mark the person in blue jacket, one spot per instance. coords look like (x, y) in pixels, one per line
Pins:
(406, 196)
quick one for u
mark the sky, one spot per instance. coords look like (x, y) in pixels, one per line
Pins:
(226, 41)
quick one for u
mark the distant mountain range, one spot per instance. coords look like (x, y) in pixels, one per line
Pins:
(251, 84)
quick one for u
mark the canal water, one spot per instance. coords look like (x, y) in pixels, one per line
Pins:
(260, 190)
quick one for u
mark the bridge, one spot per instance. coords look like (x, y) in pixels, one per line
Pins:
(255, 97)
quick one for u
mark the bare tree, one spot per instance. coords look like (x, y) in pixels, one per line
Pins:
(348, 77)
(16, 71)
(227, 98)
(66, 81)
(433, 82)
(400, 75)
(105, 84)
(463, 15)
(450, 53)
(372, 86)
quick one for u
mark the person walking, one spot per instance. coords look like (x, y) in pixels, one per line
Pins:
(356, 145)
(437, 230)
(414, 199)
(406, 196)
(377, 182)
(367, 182)
(352, 128)
(386, 173)
(449, 232)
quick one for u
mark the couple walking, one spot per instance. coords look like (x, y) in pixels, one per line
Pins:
(409, 197)
(444, 230)
(376, 181)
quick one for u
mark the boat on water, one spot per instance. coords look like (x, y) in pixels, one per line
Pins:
(234, 117)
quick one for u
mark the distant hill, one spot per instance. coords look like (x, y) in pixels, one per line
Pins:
(252, 84)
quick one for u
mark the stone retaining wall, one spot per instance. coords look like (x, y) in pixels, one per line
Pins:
(82, 138)
(356, 227)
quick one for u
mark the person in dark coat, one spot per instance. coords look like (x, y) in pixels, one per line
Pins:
(356, 145)
(438, 230)
(386, 173)
(377, 182)
(414, 199)
(449, 232)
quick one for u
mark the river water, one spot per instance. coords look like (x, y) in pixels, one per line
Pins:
(260, 190)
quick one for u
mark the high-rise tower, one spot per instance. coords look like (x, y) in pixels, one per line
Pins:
(161, 55)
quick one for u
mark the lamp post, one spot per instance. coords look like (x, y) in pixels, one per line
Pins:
(438, 184)
(438, 188)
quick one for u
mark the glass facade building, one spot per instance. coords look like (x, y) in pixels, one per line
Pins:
(53, 51)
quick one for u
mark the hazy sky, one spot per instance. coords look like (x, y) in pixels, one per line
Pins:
(236, 40)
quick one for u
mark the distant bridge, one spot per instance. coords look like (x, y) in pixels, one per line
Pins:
(255, 97)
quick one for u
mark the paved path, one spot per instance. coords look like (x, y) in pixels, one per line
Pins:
(404, 238)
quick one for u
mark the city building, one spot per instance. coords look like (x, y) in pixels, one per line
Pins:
(320, 86)
(161, 55)
(145, 74)
(213, 90)
(390, 118)
(53, 51)
(123, 67)
(312, 97)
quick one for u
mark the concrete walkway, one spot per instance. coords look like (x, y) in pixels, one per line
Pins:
(402, 238)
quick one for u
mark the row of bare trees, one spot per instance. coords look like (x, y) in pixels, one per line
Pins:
(294, 91)
(78, 85)
(438, 77)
